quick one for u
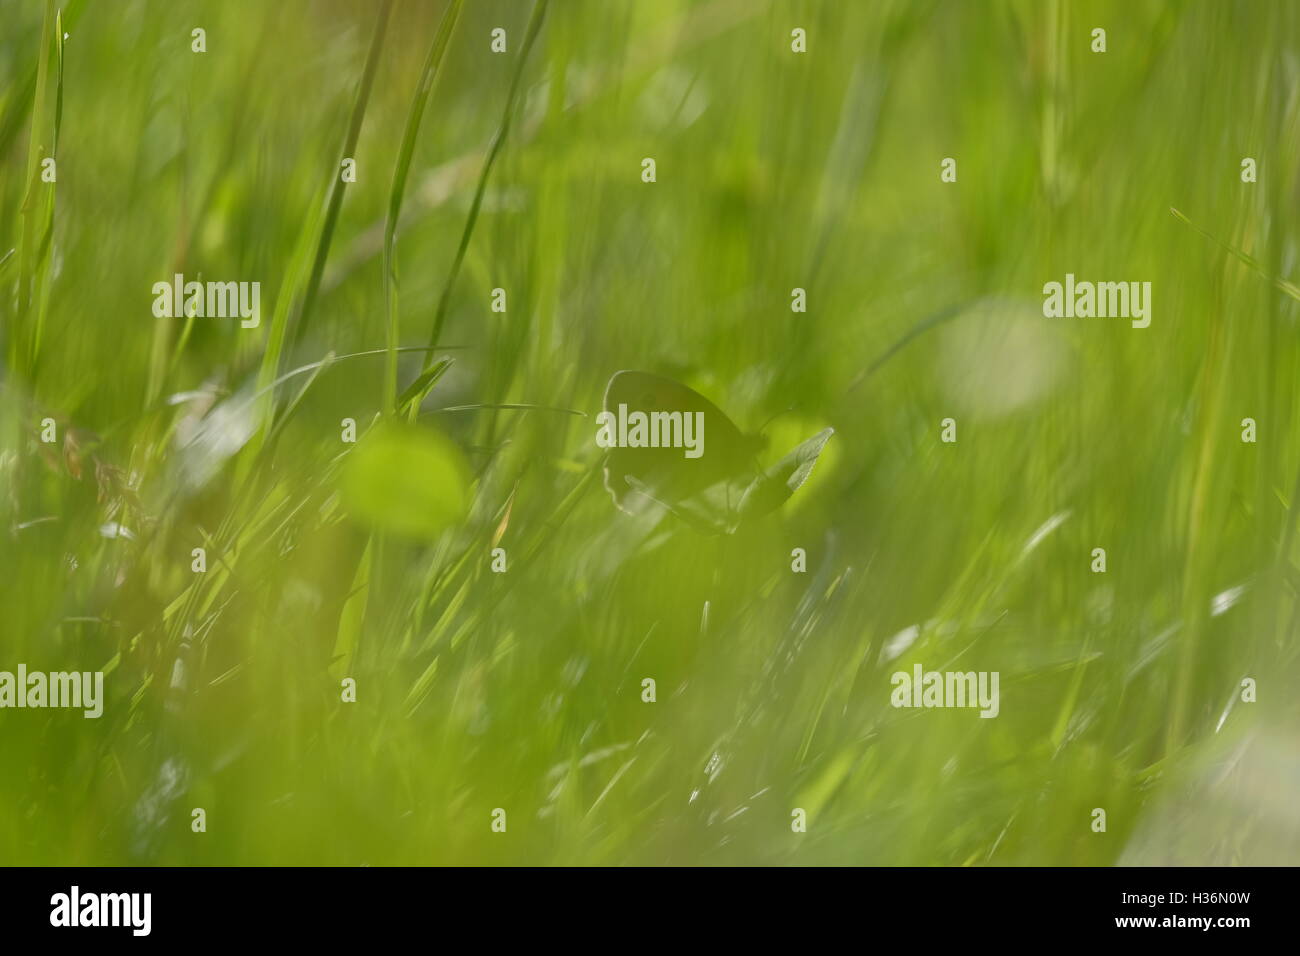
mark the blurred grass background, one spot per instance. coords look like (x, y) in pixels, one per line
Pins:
(522, 690)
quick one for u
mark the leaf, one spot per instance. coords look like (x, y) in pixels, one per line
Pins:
(770, 490)
(406, 480)
(415, 392)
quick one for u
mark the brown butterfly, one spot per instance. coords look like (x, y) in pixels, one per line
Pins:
(715, 487)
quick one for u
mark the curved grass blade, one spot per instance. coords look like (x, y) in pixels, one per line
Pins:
(1282, 284)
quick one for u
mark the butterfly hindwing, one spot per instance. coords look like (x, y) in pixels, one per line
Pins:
(776, 484)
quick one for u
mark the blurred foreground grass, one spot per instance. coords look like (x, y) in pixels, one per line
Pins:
(522, 690)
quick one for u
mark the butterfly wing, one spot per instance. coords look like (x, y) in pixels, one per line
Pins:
(641, 478)
(770, 489)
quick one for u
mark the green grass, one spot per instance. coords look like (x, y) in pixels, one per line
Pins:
(522, 690)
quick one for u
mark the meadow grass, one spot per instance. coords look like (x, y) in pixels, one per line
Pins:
(372, 561)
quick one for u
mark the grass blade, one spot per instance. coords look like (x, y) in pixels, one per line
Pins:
(444, 301)
(423, 94)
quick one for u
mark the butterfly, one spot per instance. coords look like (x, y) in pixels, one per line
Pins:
(716, 488)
